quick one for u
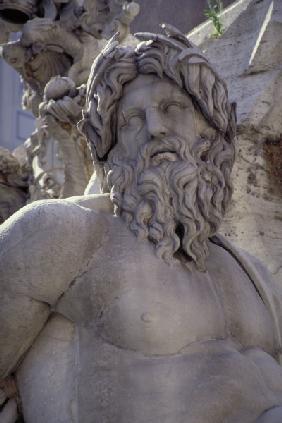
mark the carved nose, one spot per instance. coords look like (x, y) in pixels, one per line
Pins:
(155, 123)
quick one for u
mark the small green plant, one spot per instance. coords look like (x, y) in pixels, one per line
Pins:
(212, 12)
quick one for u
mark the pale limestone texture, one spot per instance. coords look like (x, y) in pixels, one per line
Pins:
(248, 56)
(125, 307)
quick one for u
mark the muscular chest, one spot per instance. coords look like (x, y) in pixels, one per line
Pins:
(133, 300)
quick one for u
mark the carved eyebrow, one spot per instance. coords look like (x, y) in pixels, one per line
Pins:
(132, 111)
(173, 102)
(178, 98)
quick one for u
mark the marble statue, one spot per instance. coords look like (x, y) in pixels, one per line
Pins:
(125, 306)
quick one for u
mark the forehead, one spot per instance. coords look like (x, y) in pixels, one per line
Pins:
(149, 90)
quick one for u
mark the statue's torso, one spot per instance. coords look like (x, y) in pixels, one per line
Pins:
(141, 341)
(135, 301)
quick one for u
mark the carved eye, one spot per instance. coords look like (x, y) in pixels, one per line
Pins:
(172, 107)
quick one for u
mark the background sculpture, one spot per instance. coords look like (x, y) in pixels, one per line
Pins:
(59, 38)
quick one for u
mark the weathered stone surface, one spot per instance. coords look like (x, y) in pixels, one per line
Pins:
(9, 414)
(184, 14)
(248, 56)
(124, 306)
(50, 381)
(13, 184)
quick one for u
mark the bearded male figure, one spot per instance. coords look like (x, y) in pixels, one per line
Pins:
(124, 307)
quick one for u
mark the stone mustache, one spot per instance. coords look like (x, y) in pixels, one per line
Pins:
(125, 306)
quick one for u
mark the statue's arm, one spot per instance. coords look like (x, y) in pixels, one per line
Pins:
(271, 293)
(267, 288)
(42, 249)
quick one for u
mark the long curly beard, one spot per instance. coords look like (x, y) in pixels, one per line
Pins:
(174, 200)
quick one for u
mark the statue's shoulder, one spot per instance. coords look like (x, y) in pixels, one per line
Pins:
(258, 274)
(96, 202)
(77, 211)
(50, 240)
(76, 221)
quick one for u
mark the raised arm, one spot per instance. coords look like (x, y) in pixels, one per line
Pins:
(43, 247)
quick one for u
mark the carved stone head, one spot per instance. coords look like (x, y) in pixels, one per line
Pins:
(161, 132)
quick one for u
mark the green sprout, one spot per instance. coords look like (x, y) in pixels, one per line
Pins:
(212, 12)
